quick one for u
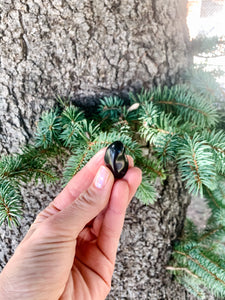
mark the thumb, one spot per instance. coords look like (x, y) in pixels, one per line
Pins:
(71, 220)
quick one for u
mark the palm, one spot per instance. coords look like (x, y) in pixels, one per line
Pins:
(58, 258)
(91, 273)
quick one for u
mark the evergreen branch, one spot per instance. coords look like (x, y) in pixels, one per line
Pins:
(203, 44)
(24, 167)
(179, 124)
(216, 197)
(48, 129)
(82, 154)
(144, 96)
(151, 166)
(200, 263)
(182, 102)
(10, 203)
(204, 83)
(193, 285)
(146, 192)
(210, 233)
(215, 230)
(216, 140)
(110, 107)
(71, 115)
(196, 164)
(209, 195)
(174, 103)
(166, 146)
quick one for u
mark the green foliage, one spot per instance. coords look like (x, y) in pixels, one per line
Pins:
(111, 108)
(70, 119)
(182, 102)
(163, 125)
(10, 202)
(216, 198)
(85, 152)
(146, 191)
(48, 129)
(204, 83)
(203, 44)
(216, 140)
(197, 164)
(197, 264)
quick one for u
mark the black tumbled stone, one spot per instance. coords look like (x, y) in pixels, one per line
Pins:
(116, 160)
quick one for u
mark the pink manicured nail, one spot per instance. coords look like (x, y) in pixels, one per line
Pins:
(102, 177)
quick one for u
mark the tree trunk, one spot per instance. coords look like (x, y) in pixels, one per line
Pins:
(84, 50)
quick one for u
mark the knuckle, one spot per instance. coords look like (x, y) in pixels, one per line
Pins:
(87, 198)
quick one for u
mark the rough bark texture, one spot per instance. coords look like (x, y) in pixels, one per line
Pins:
(85, 49)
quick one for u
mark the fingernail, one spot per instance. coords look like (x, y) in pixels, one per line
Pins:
(101, 177)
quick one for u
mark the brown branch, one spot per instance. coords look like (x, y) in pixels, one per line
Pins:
(6, 207)
(181, 104)
(215, 148)
(154, 170)
(11, 174)
(210, 233)
(197, 170)
(212, 198)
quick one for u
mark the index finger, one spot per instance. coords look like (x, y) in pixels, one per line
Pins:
(80, 182)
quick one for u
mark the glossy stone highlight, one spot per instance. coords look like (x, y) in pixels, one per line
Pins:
(116, 160)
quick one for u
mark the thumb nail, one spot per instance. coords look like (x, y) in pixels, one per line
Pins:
(102, 177)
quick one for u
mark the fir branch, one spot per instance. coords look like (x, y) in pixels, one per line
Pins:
(204, 84)
(48, 129)
(110, 107)
(178, 123)
(216, 140)
(182, 102)
(192, 285)
(196, 164)
(166, 146)
(146, 192)
(216, 197)
(88, 131)
(215, 229)
(71, 118)
(190, 232)
(10, 203)
(25, 167)
(212, 273)
(145, 96)
(152, 167)
(203, 44)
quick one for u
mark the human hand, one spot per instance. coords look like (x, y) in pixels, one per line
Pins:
(70, 250)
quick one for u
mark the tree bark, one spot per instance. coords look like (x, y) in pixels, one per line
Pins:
(85, 50)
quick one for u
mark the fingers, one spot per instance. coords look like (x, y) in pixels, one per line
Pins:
(72, 219)
(112, 224)
(80, 182)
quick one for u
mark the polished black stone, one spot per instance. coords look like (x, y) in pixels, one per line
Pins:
(116, 160)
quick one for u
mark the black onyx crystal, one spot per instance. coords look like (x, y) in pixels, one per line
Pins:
(116, 160)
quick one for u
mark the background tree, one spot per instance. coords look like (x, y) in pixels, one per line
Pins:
(83, 50)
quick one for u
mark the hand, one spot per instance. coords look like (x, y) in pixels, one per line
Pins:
(70, 250)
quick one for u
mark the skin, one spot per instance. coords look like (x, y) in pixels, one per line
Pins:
(70, 250)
